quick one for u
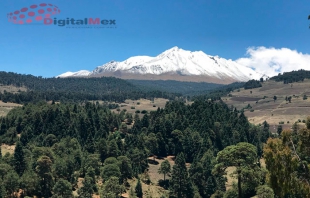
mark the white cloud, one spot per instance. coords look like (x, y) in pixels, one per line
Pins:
(271, 61)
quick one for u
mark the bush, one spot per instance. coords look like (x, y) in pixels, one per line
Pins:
(144, 111)
(282, 122)
(305, 97)
(299, 120)
(288, 122)
(138, 103)
(137, 111)
(132, 107)
(303, 121)
(252, 110)
(154, 105)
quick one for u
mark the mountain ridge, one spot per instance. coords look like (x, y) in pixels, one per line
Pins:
(182, 65)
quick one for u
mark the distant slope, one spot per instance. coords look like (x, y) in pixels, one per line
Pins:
(77, 89)
(264, 107)
(185, 88)
(293, 76)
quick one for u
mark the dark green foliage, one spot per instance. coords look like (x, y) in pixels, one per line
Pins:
(180, 185)
(244, 157)
(165, 168)
(125, 167)
(274, 98)
(30, 183)
(112, 188)
(109, 171)
(10, 181)
(66, 141)
(74, 89)
(103, 149)
(251, 84)
(2, 190)
(217, 93)
(43, 169)
(19, 159)
(291, 77)
(264, 191)
(88, 188)
(185, 88)
(138, 189)
(62, 189)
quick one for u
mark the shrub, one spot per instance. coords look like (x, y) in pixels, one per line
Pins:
(144, 111)
(132, 107)
(137, 111)
(252, 110)
(282, 122)
(138, 103)
(154, 105)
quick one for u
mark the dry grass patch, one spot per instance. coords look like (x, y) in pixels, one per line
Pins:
(7, 149)
(6, 107)
(265, 108)
(11, 88)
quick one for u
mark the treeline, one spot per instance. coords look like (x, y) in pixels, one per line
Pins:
(217, 93)
(59, 143)
(184, 88)
(251, 84)
(293, 76)
(74, 89)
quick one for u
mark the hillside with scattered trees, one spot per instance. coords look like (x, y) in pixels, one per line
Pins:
(293, 76)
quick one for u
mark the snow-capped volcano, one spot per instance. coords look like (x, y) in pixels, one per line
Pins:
(78, 73)
(176, 62)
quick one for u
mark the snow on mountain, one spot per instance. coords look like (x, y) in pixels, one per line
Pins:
(177, 61)
(71, 74)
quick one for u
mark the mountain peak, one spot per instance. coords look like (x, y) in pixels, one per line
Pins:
(178, 62)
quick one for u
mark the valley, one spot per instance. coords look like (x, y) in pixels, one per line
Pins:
(129, 137)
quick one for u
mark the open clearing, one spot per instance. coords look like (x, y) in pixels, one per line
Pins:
(131, 106)
(11, 89)
(280, 110)
(154, 190)
(6, 107)
(7, 149)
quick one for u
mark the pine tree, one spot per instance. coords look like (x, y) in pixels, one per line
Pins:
(62, 188)
(103, 149)
(164, 168)
(138, 189)
(180, 185)
(2, 191)
(19, 159)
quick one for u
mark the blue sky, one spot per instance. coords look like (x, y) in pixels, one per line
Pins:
(144, 27)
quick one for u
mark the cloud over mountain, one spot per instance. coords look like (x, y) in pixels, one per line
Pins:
(271, 61)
